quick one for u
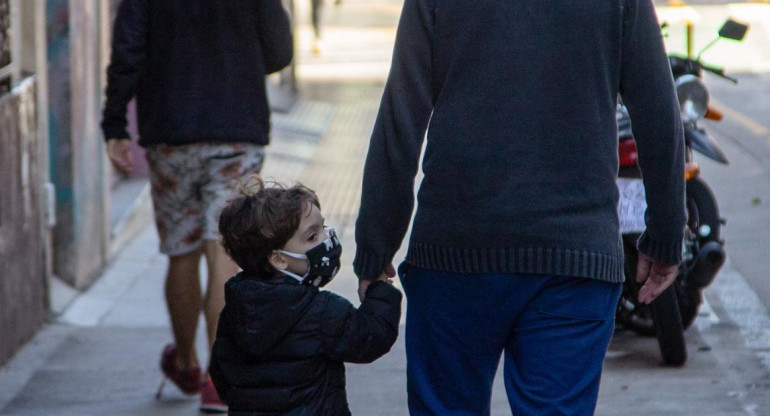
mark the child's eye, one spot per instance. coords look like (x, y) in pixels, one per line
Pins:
(312, 237)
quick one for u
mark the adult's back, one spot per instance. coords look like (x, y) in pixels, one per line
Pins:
(521, 155)
(524, 104)
(515, 247)
(201, 69)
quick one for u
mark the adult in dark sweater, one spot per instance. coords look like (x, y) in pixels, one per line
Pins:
(281, 343)
(197, 70)
(515, 246)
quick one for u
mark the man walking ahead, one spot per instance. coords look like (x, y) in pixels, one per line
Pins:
(515, 247)
(197, 70)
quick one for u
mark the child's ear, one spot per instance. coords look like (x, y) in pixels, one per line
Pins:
(277, 260)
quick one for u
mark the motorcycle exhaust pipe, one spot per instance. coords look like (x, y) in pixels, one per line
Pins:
(710, 259)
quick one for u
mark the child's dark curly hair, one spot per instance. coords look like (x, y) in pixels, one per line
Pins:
(260, 220)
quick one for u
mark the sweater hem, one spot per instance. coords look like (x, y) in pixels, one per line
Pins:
(172, 140)
(606, 267)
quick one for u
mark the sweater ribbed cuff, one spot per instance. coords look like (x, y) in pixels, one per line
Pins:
(665, 251)
(369, 266)
(115, 133)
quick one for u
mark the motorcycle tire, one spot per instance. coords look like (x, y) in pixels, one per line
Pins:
(701, 210)
(668, 323)
(630, 313)
(676, 308)
(689, 303)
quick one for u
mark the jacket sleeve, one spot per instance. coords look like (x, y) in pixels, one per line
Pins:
(275, 35)
(648, 91)
(387, 196)
(365, 334)
(129, 42)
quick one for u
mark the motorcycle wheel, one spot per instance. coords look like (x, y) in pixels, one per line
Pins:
(630, 313)
(701, 210)
(668, 323)
(676, 308)
(689, 302)
(661, 319)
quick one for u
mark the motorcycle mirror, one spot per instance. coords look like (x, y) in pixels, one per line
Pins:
(664, 29)
(733, 30)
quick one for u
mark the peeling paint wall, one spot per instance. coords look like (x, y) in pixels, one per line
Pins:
(75, 72)
(22, 267)
(60, 122)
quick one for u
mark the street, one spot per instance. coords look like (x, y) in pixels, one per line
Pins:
(742, 188)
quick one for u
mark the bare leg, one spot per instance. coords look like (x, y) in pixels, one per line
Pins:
(316, 16)
(220, 268)
(316, 11)
(183, 298)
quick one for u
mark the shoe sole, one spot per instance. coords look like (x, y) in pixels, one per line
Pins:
(212, 408)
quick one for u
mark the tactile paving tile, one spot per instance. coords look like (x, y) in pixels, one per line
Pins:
(336, 169)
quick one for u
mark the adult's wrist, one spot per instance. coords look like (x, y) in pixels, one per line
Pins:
(667, 251)
(368, 265)
(113, 133)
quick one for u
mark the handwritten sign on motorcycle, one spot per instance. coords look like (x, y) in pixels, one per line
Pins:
(632, 205)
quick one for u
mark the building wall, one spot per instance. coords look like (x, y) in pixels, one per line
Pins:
(22, 267)
(63, 42)
(75, 82)
(60, 125)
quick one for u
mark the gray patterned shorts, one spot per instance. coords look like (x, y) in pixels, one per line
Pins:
(190, 185)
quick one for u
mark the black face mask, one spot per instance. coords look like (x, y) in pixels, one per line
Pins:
(323, 261)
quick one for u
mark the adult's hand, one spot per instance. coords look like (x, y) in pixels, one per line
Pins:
(119, 152)
(656, 277)
(388, 273)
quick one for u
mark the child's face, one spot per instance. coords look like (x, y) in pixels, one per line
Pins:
(309, 234)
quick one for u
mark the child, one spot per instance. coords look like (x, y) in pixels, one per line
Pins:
(281, 343)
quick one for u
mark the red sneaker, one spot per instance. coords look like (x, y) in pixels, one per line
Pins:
(210, 402)
(189, 381)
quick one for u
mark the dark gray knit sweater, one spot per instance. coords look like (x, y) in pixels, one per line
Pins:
(518, 101)
(197, 69)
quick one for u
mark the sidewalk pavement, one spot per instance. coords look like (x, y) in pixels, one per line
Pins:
(100, 356)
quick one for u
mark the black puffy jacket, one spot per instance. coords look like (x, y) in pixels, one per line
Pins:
(281, 346)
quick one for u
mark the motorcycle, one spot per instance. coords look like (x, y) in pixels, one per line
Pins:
(677, 307)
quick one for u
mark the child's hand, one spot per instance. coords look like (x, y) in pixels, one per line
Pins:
(386, 276)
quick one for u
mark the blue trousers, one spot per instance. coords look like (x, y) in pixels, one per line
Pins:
(552, 330)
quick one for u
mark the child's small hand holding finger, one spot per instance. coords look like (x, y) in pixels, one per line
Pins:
(385, 278)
